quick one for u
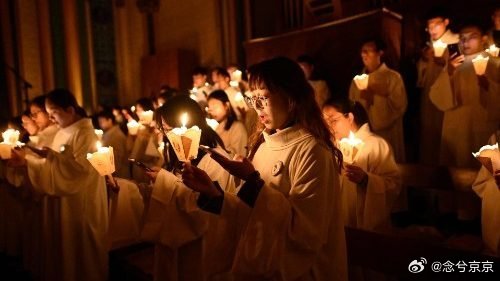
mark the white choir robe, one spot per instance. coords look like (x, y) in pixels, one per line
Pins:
(389, 105)
(126, 209)
(431, 118)
(115, 138)
(75, 215)
(138, 150)
(295, 230)
(474, 115)
(191, 244)
(321, 91)
(32, 204)
(235, 139)
(369, 207)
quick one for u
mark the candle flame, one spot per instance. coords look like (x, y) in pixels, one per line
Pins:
(184, 119)
(352, 140)
(132, 109)
(98, 145)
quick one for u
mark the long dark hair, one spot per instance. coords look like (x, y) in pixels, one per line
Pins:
(283, 76)
(64, 99)
(171, 111)
(222, 96)
(39, 102)
(345, 106)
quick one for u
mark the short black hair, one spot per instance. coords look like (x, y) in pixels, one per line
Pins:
(304, 58)
(437, 12)
(377, 41)
(221, 71)
(200, 71)
(472, 23)
(107, 114)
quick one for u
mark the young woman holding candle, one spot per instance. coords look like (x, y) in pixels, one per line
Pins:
(287, 215)
(189, 242)
(231, 131)
(47, 128)
(75, 220)
(370, 184)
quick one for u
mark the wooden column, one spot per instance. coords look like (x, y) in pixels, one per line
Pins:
(71, 41)
(46, 55)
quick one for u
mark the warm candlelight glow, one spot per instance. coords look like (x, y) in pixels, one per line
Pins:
(193, 97)
(439, 47)
(350, 147)
(480, 64)
(161, 147)
(493, 50)
(361, 81)
(99, 134)
(132, 108)
(489, 156)
(234, 83)
(10, 140)
(146, 117)
(133, 127)
(185, 142)
(103, 160)
(236, 75)
(212, 123)
(184, 119)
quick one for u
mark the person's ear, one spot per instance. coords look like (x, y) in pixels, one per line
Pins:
(446, 22)
(350, 116)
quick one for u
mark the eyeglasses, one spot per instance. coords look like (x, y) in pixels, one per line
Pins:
(35, 114)
(258, 102)
(330, 120)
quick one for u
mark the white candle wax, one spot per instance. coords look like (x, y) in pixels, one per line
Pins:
(103, 160)
(439, 47)
(133, 127)
(480, 64)
(99, 134)
(185, 142)
(146, 117)
(361, 81)
(493, 50)
(350, 147)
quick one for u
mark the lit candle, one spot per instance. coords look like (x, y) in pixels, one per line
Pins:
(234, 84)
(133, 127)
(10, 140)
(480, 64)
(350, 147)
(103, 160)
(185, 142)
(212, 123)
(489, 156)
(439, 47)
(239, 100)
(361, 81)
(132, 108)
(161, 147)
(99, 134)
(493, 50)
(236, 76)
(146, 117)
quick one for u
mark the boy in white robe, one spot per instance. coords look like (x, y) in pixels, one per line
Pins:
(384, 99)
(428, 68)
(471, 101)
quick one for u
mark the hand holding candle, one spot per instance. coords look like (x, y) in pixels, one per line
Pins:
(480, 64)
(103, 160)
(350, 147)
(361, 81)
(10, 140)
(185, 142)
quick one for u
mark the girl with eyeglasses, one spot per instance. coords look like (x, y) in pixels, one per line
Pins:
(231, 131)
(287, 213)
(189, 243)
(47, 128)
(371, 184)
